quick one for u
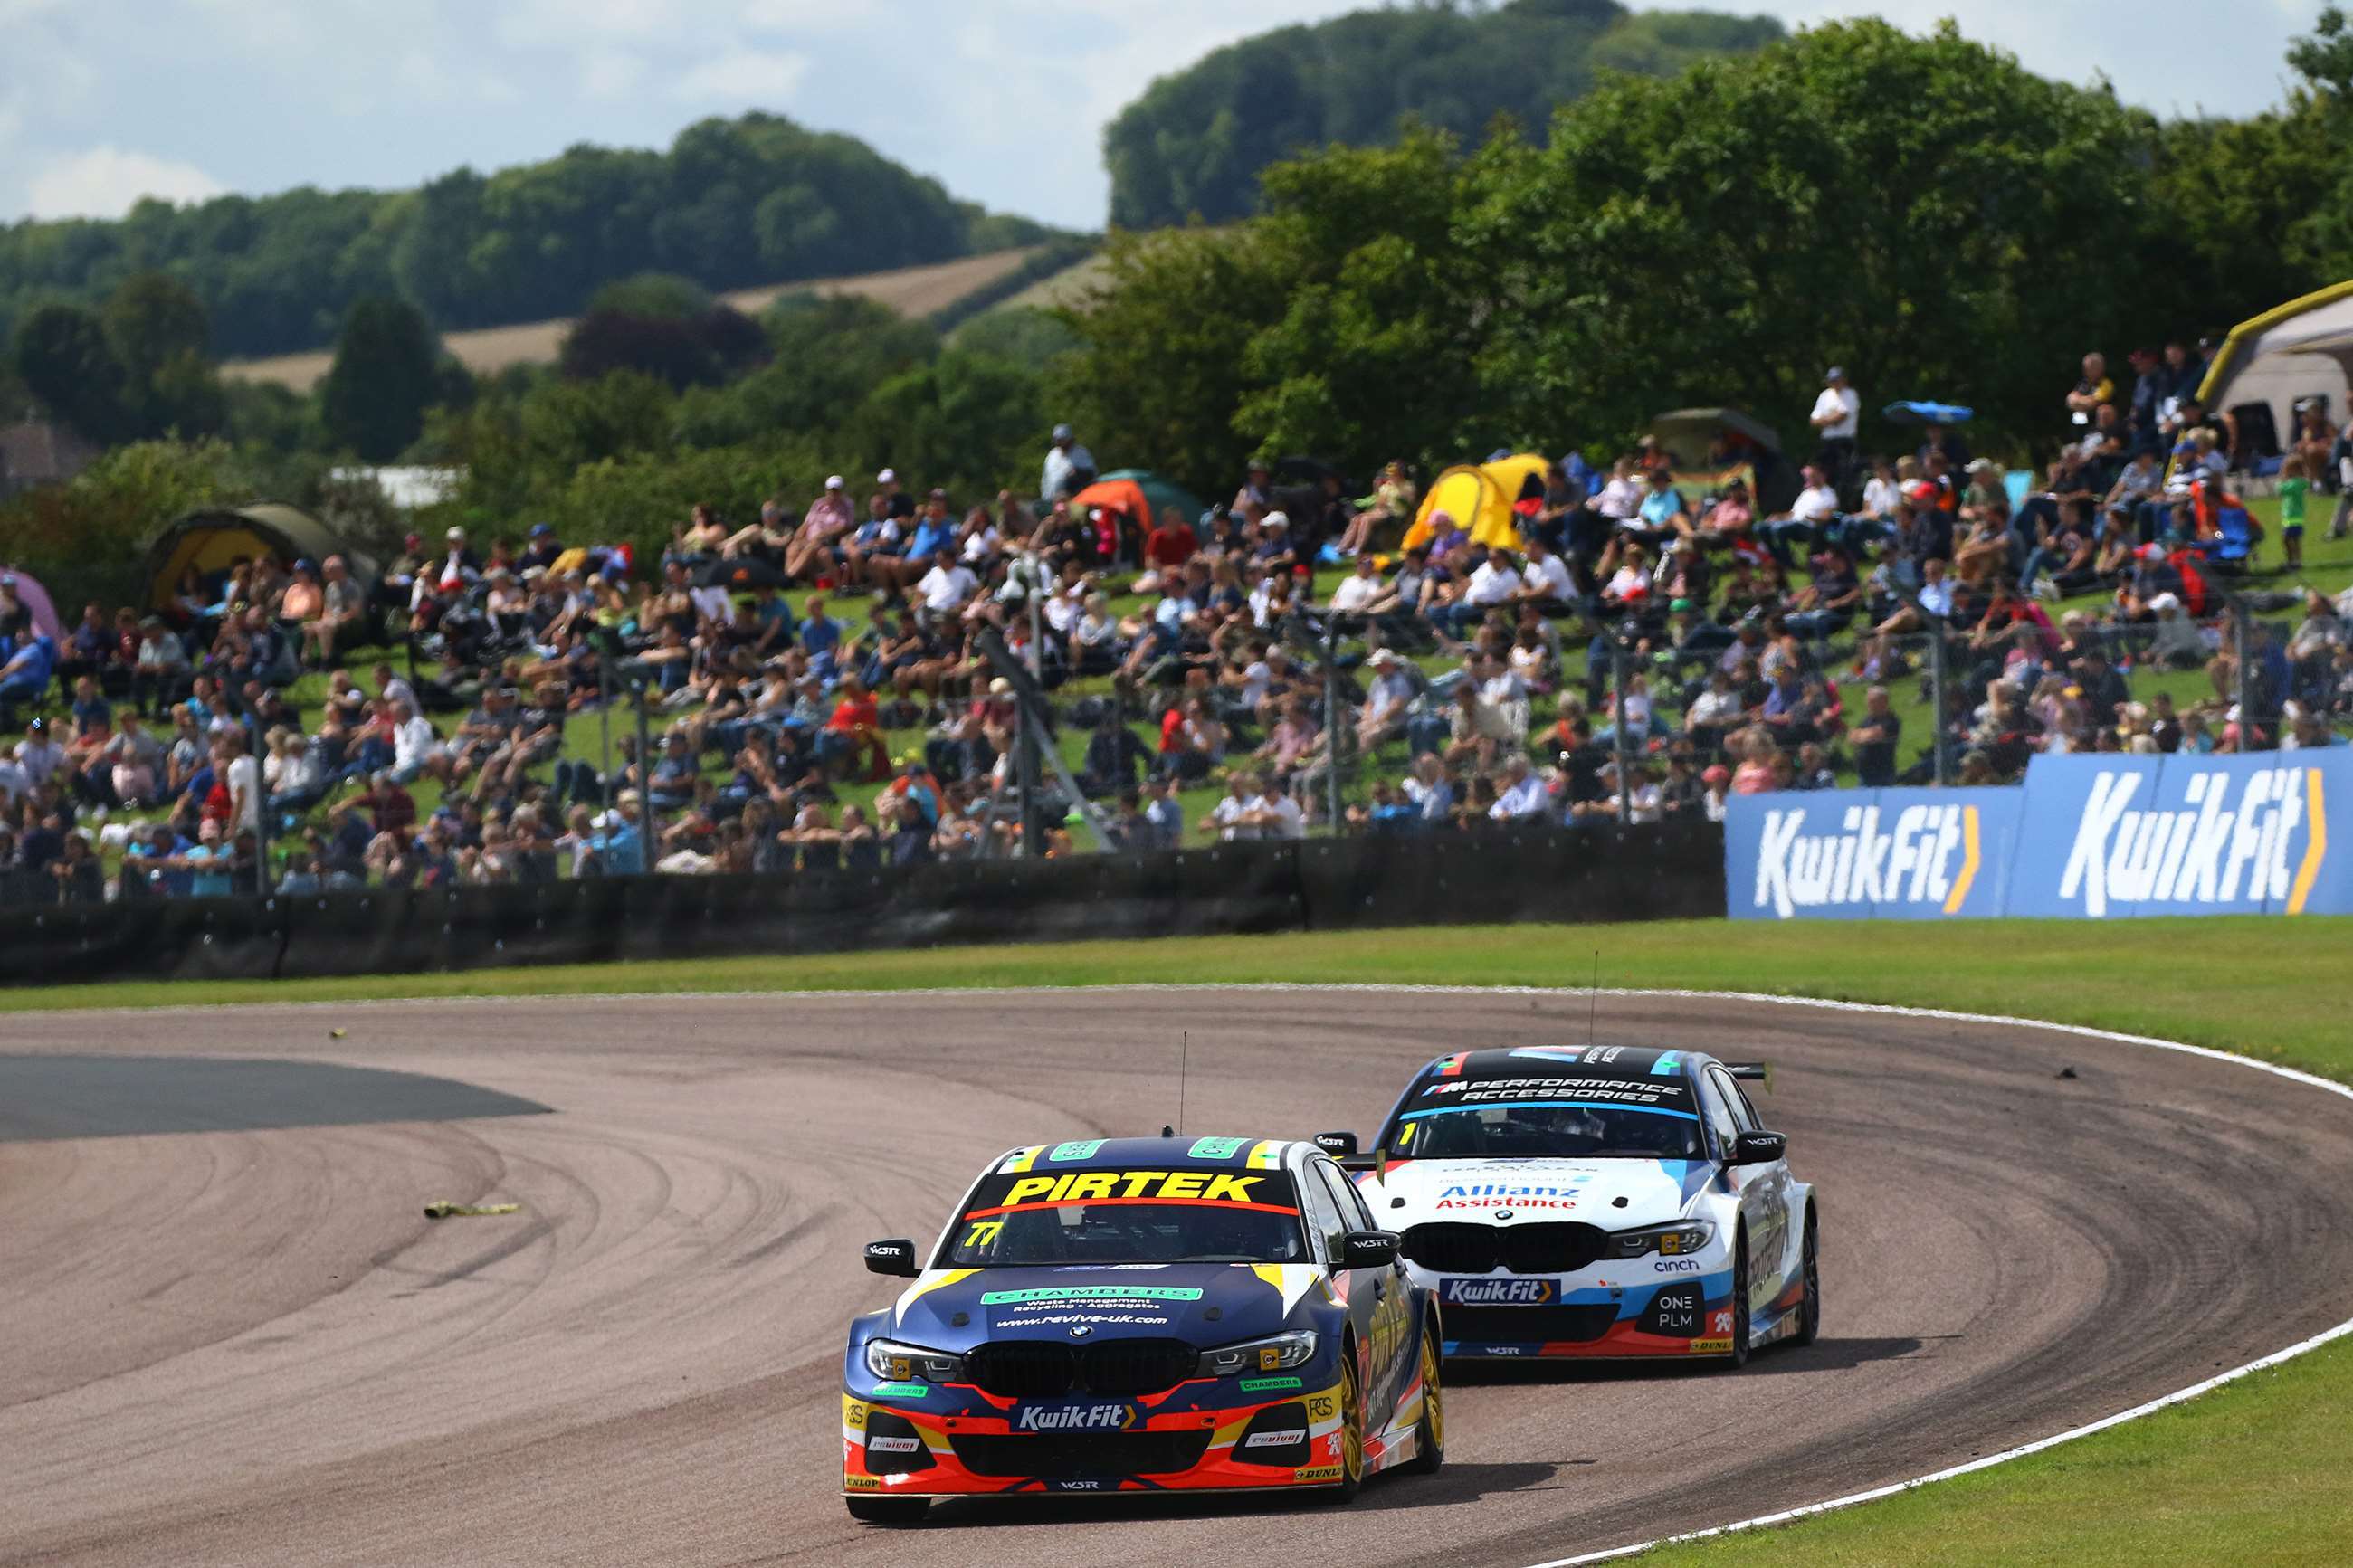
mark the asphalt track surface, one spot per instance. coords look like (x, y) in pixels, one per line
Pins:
(228, 1335)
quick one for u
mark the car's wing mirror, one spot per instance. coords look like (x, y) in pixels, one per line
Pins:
(1339, 1145)
(1758, 1148)
(896, 1257)
(1368, 1250)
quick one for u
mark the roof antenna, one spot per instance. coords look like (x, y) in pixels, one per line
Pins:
(1184, 1059)
(1593, 1002)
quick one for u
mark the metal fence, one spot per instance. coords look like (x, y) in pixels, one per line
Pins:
(1029, 742)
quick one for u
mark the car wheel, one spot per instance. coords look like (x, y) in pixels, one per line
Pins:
(1738, 1356)
(1352, 1432)
(887, 1509)
(1430, 1432)
(1809, 1306)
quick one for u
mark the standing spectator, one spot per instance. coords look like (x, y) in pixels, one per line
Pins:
(1837, 416)
(1068, 468)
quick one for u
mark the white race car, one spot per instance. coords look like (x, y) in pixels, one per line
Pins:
(1594, 1200)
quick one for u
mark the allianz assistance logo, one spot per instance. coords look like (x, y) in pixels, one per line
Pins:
(1929, 856)
(2266, 844)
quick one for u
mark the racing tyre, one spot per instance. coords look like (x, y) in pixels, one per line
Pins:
(1352, 1432)
(1738, 1355)
(1809, 1306)
(887, 1509)
(1430, 1432)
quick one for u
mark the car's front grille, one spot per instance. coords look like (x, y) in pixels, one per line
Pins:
(1024, 1369)
(1040, 1369)
(1080, 1454)
(1453, 1248)
(1136, 1366)
(1561, 1248)
(1528, 1325)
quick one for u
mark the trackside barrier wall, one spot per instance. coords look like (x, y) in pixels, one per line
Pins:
(2086, 838)
(1496, 876)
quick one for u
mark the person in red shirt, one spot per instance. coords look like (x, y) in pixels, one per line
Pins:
(1166, 548)
(855, 729)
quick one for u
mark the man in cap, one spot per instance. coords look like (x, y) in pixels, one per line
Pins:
(1837, 415)
(1070, 468)
(827, 520)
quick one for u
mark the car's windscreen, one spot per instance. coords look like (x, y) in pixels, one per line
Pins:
(1129, 1215)
(1556, 1117)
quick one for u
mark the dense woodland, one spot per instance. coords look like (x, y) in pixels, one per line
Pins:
(1195, 144)
(1920, 209)
(733, 204)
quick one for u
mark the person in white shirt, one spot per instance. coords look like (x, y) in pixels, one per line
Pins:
(1621, 498)
(1386, 701)
(1881, 492)
(1837, 413)
(1275, 813)
(1065, 460)
(242, 775)
(39, 754)
(1358, 589)
(1522, 793)
(1494, 582)
(1226, 819)
(947, 586)
(1545, 578)
(1806, 520)
(416, 747)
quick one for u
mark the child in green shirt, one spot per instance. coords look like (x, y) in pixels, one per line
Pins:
(2293, 488)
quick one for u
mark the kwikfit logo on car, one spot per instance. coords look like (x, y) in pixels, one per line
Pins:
(1074, 1419)
(1496, 1292)
(1926, 856)
(2222, 848)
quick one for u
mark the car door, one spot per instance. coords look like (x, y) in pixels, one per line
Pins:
(1764, 1201)
(1380, 1299)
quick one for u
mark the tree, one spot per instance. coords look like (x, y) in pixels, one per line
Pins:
(1197, 141)
(733, 203)
(1922, 211)
(160, 336)
(62, 356)
(384, 375)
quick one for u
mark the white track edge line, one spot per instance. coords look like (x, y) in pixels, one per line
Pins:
(1784, 1516)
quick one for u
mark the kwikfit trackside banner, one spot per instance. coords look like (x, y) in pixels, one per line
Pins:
(2086, 838)
(2108, 837)
(1860, 854)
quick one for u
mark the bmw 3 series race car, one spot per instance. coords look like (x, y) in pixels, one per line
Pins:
(1595, 1201)
(1143, 1314)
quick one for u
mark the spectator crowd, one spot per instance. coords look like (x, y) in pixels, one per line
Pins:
(840, 684)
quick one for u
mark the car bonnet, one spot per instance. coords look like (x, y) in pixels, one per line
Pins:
(1615, 1195)
(1201, 1303)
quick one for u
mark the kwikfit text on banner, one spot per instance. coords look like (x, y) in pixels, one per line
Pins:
(2086, 838)
(1859, 854)
(2106, 837)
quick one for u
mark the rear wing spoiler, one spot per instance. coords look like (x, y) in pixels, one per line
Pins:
(1752, 1072)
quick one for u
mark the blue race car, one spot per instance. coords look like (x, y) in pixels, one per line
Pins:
(1143, 1315)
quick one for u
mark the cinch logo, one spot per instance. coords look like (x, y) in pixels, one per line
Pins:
(2217, 852)
(1930, 856)
(1496, 1292)
(1076, 1418)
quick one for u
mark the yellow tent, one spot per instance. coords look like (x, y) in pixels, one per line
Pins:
(1479, 497)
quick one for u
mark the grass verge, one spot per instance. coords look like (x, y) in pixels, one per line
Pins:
(2257, 1472)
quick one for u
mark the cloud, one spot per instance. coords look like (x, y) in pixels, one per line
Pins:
(106, 182)
(743, 76)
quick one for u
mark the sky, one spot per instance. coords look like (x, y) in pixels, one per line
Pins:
(103, 101)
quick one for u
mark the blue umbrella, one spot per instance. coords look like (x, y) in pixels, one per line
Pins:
(1915, 412)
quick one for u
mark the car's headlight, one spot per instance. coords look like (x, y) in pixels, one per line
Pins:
(890, 1360)
(1690, 1236)
(1294, 1349)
